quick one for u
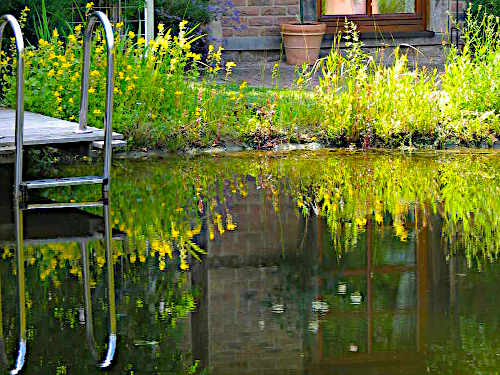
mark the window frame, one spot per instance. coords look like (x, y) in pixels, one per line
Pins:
(389, 22)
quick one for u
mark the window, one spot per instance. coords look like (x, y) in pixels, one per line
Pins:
(373, 15)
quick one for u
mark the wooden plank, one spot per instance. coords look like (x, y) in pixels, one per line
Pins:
(42, 130)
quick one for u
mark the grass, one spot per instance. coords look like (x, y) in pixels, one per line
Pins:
(168, 97)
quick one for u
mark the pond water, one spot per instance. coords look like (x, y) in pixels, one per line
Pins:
(300, 263)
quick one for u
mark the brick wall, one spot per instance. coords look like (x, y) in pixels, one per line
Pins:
(262, 17)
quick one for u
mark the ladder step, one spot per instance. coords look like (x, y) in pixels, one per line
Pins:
(69, 181)
(39, 206)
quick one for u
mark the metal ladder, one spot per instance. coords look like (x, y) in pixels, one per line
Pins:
(22, 187)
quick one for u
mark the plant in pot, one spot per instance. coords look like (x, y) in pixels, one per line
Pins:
(302, 40)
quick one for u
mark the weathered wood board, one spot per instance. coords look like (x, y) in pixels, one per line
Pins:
(43, 130)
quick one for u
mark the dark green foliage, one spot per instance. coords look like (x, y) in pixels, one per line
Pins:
(172, 12)
(486, 6)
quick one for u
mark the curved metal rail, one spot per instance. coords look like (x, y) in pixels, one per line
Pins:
(18, 36)
(84, 102)
(110, 353)
(21, 352)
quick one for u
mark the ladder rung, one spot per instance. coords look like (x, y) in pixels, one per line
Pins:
(39, 206)
(40, 184)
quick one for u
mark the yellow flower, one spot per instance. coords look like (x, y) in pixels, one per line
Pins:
(55, 34)
(97, 112)
(26, 9)
(141, 41)
(131, 35)
(378, 218)
(70, 100)
(161, 27)
(184, 265)
(119, 25)
(182, 25)
(59, 108)
(230, 65)
(72, 38)
(178, 93)
(56, 94)
(89, 5)
(243, 85)
(71, 117)
(91, 90)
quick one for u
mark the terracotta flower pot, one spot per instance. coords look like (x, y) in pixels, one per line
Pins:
(302, 41)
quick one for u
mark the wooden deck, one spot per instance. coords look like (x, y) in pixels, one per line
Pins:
(44, 130)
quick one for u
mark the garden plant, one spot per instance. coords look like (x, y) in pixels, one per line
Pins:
(167, 96)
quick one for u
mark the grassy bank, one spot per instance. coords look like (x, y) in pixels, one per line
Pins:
(166, 96)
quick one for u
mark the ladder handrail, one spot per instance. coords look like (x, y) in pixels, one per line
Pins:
(18, 35)
(111, 349)
(84, 102)
(21, 352)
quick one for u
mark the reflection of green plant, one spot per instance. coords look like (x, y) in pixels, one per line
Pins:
(166, 203)
(391, 6)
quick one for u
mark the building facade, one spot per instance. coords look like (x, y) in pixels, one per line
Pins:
(426, 25)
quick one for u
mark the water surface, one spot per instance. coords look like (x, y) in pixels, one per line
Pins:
(300, 263)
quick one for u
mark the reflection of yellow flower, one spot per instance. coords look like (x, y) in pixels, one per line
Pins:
(361, 221)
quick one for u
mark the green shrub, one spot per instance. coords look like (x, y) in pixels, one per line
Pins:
(171, 12)
(480, 7)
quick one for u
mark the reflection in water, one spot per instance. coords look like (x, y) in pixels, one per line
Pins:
(52, 217)
(371, 263)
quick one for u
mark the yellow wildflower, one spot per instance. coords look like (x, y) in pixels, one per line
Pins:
(131, 35)
(97, 112)
(89, 5)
